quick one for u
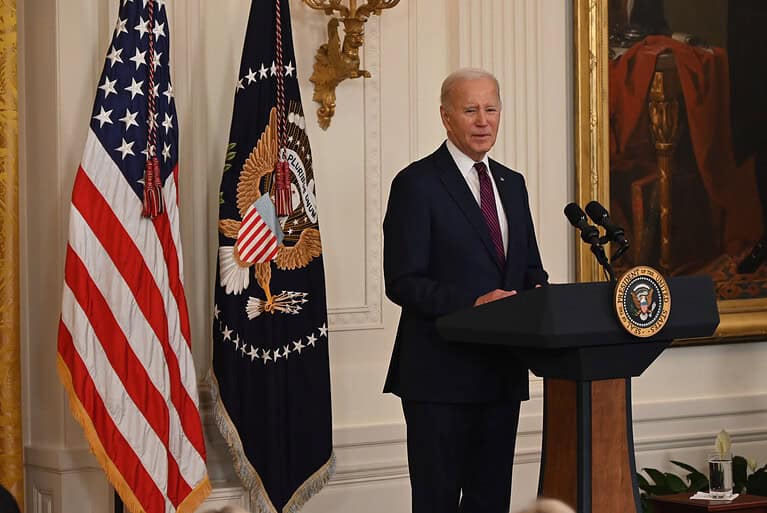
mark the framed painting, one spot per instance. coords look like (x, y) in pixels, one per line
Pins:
(671, 136)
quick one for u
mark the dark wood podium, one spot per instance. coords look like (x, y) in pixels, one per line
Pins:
(570, 336)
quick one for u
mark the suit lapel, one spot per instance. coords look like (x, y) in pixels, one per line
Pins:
(456, 185)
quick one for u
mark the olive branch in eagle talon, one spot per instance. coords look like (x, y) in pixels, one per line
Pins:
(234, 272)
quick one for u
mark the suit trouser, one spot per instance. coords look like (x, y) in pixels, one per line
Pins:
(460, 455)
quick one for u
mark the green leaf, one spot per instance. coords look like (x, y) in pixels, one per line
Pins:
(698, 482)
(644, 484)
(227, 167)
(675, 483)
(757, 482)
(739, 472)
(221, 198)
(230, 156)
(657, 476)
(231, 146)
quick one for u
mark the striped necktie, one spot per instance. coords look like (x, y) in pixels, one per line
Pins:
(489, 210)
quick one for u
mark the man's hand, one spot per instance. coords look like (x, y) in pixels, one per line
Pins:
(493, 295)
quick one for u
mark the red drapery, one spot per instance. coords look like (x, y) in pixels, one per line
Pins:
(704, 78)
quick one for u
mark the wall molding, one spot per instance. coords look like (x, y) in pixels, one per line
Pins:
(60, 460)
(377, 452)
(41, 500)
(370, 314)
(701, 440)
(700, 408)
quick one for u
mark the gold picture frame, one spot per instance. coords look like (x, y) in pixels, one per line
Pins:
(741, 319)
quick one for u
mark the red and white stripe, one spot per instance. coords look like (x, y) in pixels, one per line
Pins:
(256, 242)
(124, 338)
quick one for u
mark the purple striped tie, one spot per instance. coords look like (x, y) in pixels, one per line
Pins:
(489, 210)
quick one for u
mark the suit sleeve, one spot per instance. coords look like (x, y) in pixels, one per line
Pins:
(534, 273)
(407, 227)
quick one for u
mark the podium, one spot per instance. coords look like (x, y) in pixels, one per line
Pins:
(570, 336)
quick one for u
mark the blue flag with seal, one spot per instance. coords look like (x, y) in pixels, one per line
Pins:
(270, 377)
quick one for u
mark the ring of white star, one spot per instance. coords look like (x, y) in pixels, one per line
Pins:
(268, 355)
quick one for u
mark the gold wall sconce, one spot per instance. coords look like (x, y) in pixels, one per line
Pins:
(336, 61)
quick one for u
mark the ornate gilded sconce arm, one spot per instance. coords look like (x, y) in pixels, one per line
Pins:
(335, 60)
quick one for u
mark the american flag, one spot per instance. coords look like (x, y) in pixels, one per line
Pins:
(124, 352)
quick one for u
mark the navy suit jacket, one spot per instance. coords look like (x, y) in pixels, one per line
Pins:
(438, 258)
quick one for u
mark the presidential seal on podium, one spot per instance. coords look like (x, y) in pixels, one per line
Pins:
(642, 301)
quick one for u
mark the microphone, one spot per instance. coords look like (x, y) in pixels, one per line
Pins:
(577, 218)
(599, 215)
(590, 235)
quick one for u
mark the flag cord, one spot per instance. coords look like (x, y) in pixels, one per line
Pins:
(152, 203)
(282, 179)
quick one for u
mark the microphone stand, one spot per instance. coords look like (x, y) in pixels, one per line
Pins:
(599, 252)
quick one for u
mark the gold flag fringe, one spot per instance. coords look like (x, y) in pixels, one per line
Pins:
(115, 478)
(311, 486)
(259, 499)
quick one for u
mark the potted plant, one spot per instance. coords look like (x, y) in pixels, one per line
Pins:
(747, 478)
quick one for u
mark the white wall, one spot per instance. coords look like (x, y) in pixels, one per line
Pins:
(380, 125)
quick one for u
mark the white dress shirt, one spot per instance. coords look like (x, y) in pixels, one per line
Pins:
(466, 167)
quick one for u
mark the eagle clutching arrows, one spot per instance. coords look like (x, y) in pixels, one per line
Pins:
(261, 236)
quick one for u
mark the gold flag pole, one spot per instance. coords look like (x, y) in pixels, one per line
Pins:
(11, 443)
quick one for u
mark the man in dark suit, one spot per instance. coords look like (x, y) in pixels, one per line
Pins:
(456, 236)
(7, 501)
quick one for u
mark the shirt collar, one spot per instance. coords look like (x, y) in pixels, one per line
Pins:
(464, 162)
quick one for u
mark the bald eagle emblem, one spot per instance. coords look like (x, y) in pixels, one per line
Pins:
(641, 296)
(260, 237)
(642, 301)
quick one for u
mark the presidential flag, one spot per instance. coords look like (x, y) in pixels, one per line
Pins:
(270, 375)
(124, 352)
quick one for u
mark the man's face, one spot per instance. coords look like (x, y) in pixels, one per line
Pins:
(472, 115)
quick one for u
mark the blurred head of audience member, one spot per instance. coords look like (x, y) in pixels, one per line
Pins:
(548, 506)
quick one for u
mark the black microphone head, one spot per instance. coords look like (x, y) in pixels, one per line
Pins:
(574, 214)
(615, 233)
(596, 212)
(577, 218)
